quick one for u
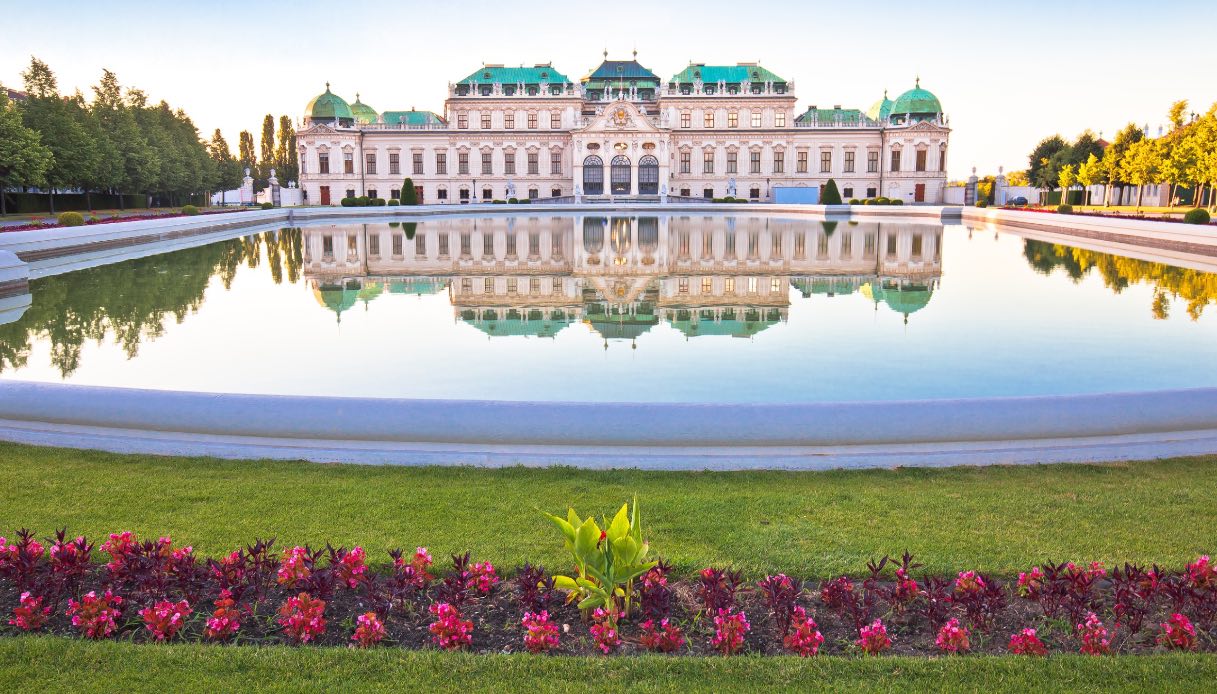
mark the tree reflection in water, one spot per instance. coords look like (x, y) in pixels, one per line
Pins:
(132, 299)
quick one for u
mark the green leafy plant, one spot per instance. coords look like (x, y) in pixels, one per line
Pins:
(607, 561)
(268, 205)
(189, 210)
(1196, 216)
(1064, 209)
(71, 219)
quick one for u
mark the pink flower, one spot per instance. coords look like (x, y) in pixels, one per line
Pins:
(369, 630)
(294, 567)
(225, 621)
(604, 630)
(484, 577)
(351, 567)
(93, 616)
(1026, 642)
(1178, 633)
(540, 634)
(1095, 638)
(1029, 583)
(1202, 572)
(804, 638)
(953, 637)
(968, 582)
(302, 618)
(874, 639)
(165, 618)
(29, 615)
(118, 547)
(662, 638)
(729, 630)
(449, 631)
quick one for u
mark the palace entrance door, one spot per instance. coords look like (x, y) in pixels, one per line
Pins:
(919, 193)
(325, 195)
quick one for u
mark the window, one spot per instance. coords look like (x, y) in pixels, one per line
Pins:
(847, 193)
(686, 163)
(733, 119)
(323, 163)
(593, 175)
(780, 119)
(916, 252)
(920, 163)
(755, 162)
(350, 192)
(682, 285)
(871, 192)
(485, 121)
(394, 163)
(487, 164)
(534, 166)
(707, 193)
(418, 163)
(895, 160)
(303, 165)
(555, 119)
(708, 119)
(685, 192)
(825, 162)
(462, 163)
(443, 238)
(464, 194)
(487, 194)
(420, 245)
(708, 162)
(509, 120)
(849, 161)
(555, 193)
(532, 194)
(779, 162)
(872, 162)
(707, 285)
(462, 121)
(732, 162)
(370, 162)
(942, 159)
(327, 245)
(756, 119)
(729, 282)
(532, 120)
(441, 163)
(395, 193)
(801, 162)
(509, 162)
(348, 163)
(555, 163)
(754, 193)
(374, 244)
(397, 244)
(686, 119)
(442, 194)
(372, 193)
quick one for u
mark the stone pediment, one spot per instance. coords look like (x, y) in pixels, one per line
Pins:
(317, 129)
(927, 126)
(620, 117)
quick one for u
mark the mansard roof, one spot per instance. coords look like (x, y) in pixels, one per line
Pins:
(618, 70)
(836, 115)
(731, 74)
(411, 117)
(491, 74)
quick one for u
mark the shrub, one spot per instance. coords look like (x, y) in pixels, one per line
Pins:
(606, 561)
(604, 630)
(662, 638)
(1178, 633)
(1026, 642)
(1064, 209)
(393, 202)
(952, 637)
(873, 639)
(499, 202)
(540, 634)
(895, 201)
(409, 196)
(512, 201)
(780, 595)
(881, 200)
(1196, 216)
(93, 616)
(1095, 638)
(268, 205)
(225, 621)
(369, 630)
(525, 201)
(654, 597)
(449, 631)
(718, 589)
(165, 618)
(982, 204)
(352, 570)
(534, 588)
(1203, 572)
(377, 202)
(362, 201)
(347, 202)
(806, 639)
(71, 219)
(832, 196)
(295, 566)
(302, 618)
(853, 201)
(189, 210)
(729, 630)
(29, 615)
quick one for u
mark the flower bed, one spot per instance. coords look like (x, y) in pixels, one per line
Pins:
(154, 591)
(93, 221)
(1083, 213)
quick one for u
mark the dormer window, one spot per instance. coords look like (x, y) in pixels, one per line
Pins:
(486, 75)
(544, 75)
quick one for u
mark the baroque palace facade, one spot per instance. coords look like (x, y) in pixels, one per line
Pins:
(707, 132)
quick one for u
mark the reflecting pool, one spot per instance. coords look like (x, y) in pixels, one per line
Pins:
(624, 308)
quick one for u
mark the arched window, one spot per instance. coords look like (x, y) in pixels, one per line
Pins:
(593, 175)
(648, 175)
(621, 175)
(593, 234)
(648, 234)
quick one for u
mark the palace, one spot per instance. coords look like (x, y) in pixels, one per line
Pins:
(709, 131)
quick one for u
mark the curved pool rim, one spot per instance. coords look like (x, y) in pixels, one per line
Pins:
(723, 436)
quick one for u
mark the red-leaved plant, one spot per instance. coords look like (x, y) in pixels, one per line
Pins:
(349, 565)
(664, 637)
(302, 617)
(540, 634)
(369, 630)
(1026, 642)
(95, 616)
(1178, 633)
(30, 615)
(163, 619)
(780, 595)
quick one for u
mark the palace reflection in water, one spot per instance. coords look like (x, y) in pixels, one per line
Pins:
(622, 275)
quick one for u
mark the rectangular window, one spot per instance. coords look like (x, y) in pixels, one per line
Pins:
(532, 120)
(555, 163)
(779, 162)
(686, 162)
(555, 120)
(682, 285)
(729, 282)
(420, 245)
(707, 285)
(418, 163)
(488, 285)
(780, 119)
(916, 247)
(895, 160)
(733, 119)
(708, 119)
(708, 162)
(942, 160)
(686, 119)
(374, 244)
(871, 192)
(849, 161)
(921, 160)
(707, 193)
(370, 161)
(754, 193)
(443, 238)
(323, 163)
(462, 121)
(509, 163)
(775, 285)
(487, 194)
(532, 194)
(397, 244)
(395, 193)
(872, 163)
(756, 119)
(732, 162)
(462, 163)
(801, 162)
(755, 162)
(487, 164)
(441, 163)
(825, 162)
(509, 120)
(348, 163)
(371, 194)
(394, 163)
(442, 194)
(847, 193)
(534, 164)
(485, 121)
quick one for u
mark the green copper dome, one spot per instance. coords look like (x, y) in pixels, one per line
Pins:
(362, 112)
(328, 106)
(881, 109)
(916, 101)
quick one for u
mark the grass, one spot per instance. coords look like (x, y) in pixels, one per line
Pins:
(58, 664)
(812, 524)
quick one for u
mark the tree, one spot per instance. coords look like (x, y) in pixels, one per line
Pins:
(1113, 158)
(1179, 161)
(409, 196)
(1140, 166)
(285, 155)
(245, 153)
(138, 161)
(1066, 177)
(60, 128)
(24, 160)
(832, 196)
(268, 149)
(1176, 114)
(228, 169)
(1044, 162)
(1090, 172)
(1017, 178)
(1086, 145)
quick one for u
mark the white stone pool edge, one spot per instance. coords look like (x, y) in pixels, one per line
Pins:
(675, 436)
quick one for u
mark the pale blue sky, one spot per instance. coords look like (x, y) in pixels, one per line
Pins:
(1007, 73)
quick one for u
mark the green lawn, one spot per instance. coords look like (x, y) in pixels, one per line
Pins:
(813, 524)
(57, 664)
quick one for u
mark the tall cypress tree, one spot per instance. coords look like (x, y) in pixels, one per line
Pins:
(228, 169)
(268, 149)
(285, 156)
(246, 154)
